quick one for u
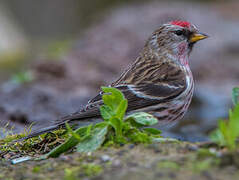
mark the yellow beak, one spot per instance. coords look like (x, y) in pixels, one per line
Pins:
(197, 37)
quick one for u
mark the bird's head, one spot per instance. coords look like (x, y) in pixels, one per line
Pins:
(175, 39)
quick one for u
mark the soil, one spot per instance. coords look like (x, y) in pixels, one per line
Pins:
(154, 161)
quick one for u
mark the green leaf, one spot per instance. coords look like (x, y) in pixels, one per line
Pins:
(112, 97)
(122, 109)
(114, 108)
(142, 119)
(117, 94)
(88, 131)
(101, 124)
(106, 112)
(93, 142)
(228, 131)
(235, 95)
(117, 124)
(70, 142)
(72, 132)
(134, 135)
(217, 137)
(152, 131)
(232, 130)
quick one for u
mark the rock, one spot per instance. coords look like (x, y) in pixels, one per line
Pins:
(105, 158)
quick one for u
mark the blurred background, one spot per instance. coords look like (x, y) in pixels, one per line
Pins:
(55, 55)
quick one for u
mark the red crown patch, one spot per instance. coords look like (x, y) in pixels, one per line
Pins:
(181, 23)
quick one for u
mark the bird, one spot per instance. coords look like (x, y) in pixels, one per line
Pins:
(158, 82)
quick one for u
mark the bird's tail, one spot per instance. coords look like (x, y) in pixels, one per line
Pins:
(57, 124)
(61, 124)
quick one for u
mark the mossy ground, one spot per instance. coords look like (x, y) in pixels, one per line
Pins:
(168, 160)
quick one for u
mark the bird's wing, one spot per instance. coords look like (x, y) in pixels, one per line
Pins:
(144, 95)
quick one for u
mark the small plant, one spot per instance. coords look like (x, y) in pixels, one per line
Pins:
(116, 128)
(22, 77)
(235, 95)
(7, 130)
(228, 131)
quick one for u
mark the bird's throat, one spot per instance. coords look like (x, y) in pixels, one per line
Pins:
(184, 60)
(183, 53)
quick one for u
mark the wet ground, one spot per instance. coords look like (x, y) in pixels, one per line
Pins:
(154, 161)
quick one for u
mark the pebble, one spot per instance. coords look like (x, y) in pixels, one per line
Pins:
(131, 146)
(64, 158)
(192, 147)
(116, 163)
(105, 158)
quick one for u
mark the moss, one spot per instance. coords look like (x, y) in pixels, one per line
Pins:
(1, 175)
(201, 161)
(88, 170)
(37, 145)
(70, 173)
(36, 169)
(203, 153)
(168, 164)
(196, 162)
(202, 165)
(92, 169)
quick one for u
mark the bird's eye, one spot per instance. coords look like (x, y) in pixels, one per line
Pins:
(179, 32)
